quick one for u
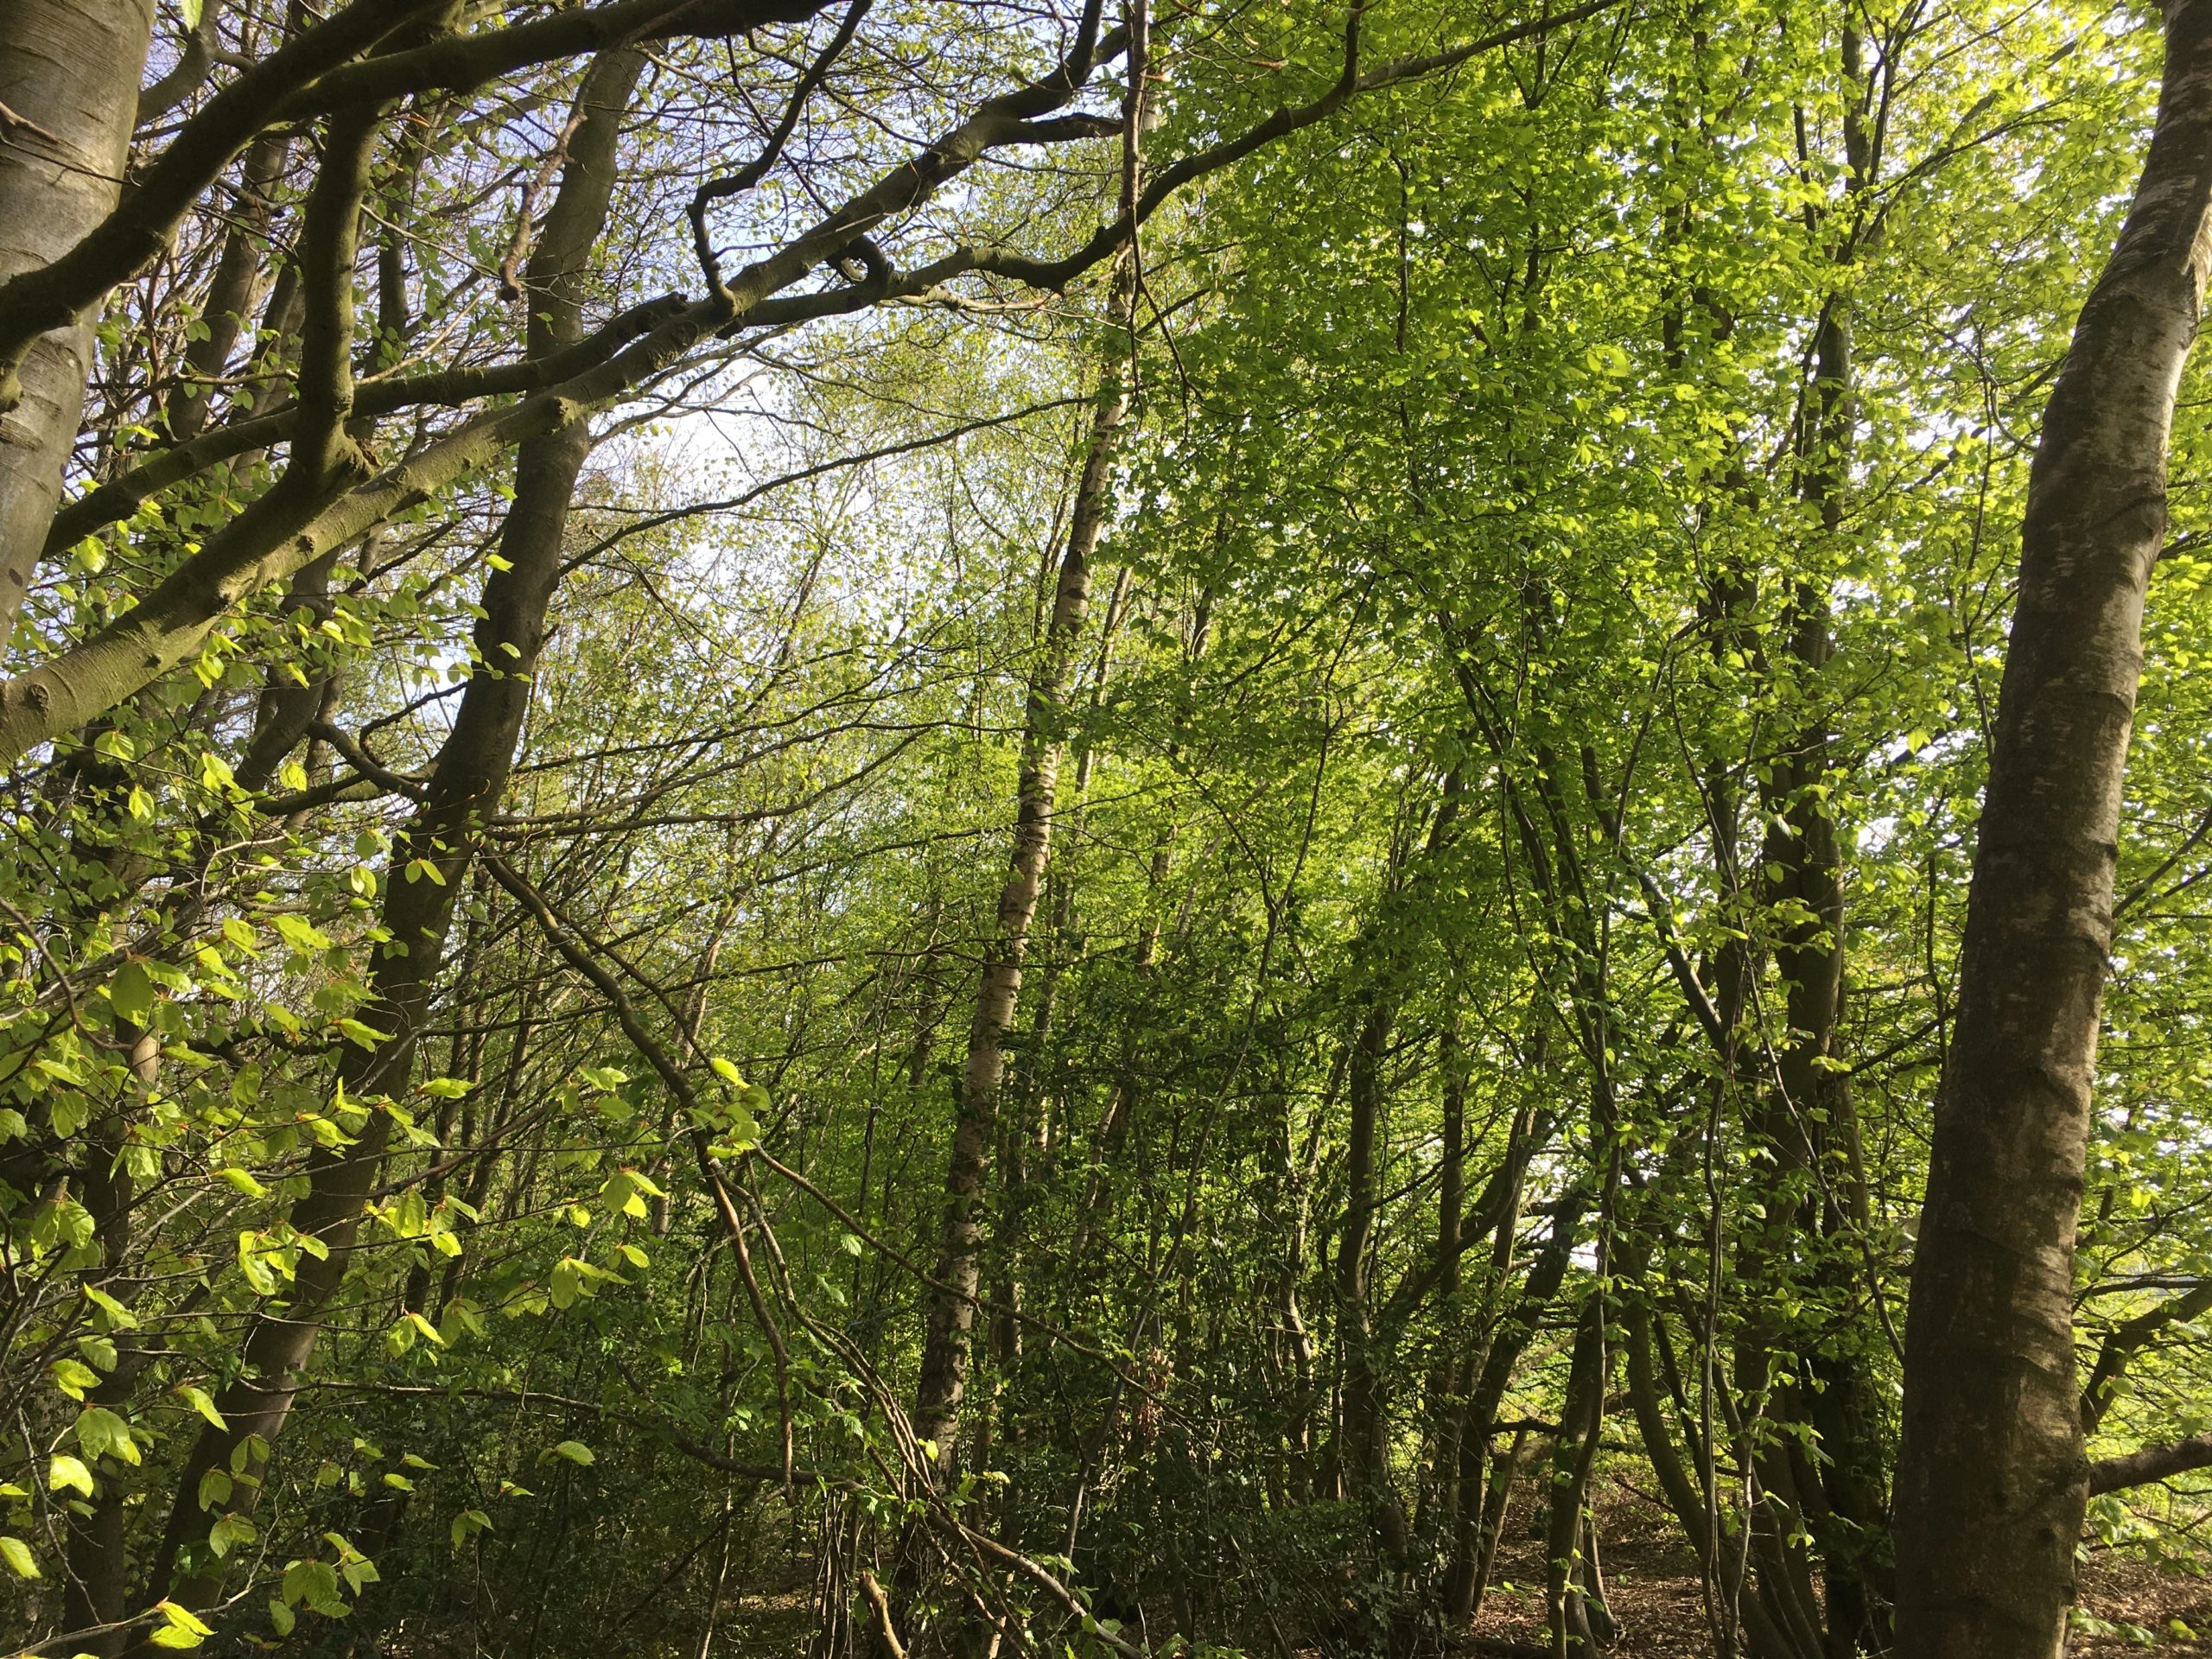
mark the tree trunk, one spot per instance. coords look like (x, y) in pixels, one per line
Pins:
(465, 786)
(952, 1308)
(1809, 1116)
(1992, 1478)
(69, 74)
(1505, 1471)
(240, 269)
(1363, 1454)
(1439, 1495)
(1466, 1576)
(1576, 1627)
(99, 1575)
(1852, 1532)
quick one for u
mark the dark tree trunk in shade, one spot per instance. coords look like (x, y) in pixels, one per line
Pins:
(466, 782)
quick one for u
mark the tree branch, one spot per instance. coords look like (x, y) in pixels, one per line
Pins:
(2151, 1463)
(132, 236)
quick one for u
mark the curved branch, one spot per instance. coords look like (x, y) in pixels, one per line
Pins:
(2125, 1339)
(458, 63)
(754, 171)
(115, 500)
(1056, 274)
(132, 236)
(311, 74)
(2151, 1463)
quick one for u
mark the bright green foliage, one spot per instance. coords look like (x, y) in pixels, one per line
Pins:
(1437, 762)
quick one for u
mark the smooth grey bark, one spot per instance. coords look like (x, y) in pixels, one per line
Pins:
(69, 74)
(1992, 1478)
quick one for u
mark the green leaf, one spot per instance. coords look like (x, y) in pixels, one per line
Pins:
(625, 1190)
(281, 1618)
(131, 994)
(316, 1583)
(253, 1263)
(65, 1470)
(467, 1524)
(20, 1562)
(302, 934)
(200, 1402)
(73, 1376)
(1608, 360)
(366, 1036)
(576, 1452)
(102, 1433)
(120, 1317)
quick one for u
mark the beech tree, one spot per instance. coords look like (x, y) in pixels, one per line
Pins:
(1992, 1478)
(964, 829)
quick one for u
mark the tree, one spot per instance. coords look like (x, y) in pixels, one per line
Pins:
(1992, 1476)
(1113, 830)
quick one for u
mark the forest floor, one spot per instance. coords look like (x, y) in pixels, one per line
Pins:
(1652, 1582)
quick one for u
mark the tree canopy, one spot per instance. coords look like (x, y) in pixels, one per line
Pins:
(941, 827)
